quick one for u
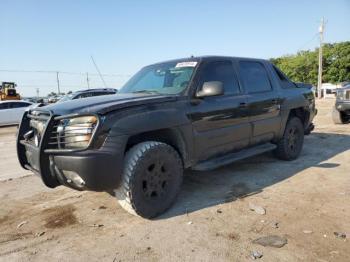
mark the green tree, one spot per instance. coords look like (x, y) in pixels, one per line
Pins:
(51, 94)
(303, 66)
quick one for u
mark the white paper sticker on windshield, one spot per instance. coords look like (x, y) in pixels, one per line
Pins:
(186, 64)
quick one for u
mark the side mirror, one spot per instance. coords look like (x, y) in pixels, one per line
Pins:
(212, 88)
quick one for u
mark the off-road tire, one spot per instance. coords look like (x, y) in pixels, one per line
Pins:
(337, 117)
(151, 179)
(291, 144)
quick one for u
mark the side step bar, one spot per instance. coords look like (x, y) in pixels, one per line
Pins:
(229, 158)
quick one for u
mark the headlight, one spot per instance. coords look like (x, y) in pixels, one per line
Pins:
(75, 133)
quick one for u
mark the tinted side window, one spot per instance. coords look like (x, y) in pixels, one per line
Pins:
(284, 81)
(84, 95)
(4, 106)
(103, 93)
(19, 104)
(221, 71)
(14, 105)
(25, 104)
(254, 77)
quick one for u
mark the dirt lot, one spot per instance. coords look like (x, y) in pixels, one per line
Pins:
(306, 201)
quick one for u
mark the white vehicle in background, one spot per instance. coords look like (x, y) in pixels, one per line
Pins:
(11, 111)
(329, 90)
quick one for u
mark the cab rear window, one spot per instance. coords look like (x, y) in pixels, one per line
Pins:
(254, 77)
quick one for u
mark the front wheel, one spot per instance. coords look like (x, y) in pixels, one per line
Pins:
(151, 179)
(291, 144)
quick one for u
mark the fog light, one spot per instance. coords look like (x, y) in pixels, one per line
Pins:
(73, 177)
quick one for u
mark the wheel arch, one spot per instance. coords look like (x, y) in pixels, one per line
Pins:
(301, 112)
(170, 136)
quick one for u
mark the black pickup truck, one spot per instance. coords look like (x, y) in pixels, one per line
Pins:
(198, 113)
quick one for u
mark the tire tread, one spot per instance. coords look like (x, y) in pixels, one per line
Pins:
(132, 158)
(281, 151)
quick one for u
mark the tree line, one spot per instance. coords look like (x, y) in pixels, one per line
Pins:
(303, 66)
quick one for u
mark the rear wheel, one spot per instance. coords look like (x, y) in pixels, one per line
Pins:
(291, 144)
(151, 179)
(338, 117)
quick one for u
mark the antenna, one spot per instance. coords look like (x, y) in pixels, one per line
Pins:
(98, 70)
(87, 80)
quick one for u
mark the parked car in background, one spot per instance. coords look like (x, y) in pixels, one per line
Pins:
(11, 112)
(88, 93)
(34, 100)
(341, 110)
(329, 90)
(54, 99)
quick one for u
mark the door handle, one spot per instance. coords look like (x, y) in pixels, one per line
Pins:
(276, 104)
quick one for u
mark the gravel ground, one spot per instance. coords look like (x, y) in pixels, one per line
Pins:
(306, 201)
(9, 167)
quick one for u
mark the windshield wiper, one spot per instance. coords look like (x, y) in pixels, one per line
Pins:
(146, 91)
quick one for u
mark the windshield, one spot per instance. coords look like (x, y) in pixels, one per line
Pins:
(66, 98)
(166, 78)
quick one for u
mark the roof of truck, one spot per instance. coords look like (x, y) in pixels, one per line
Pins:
(96, 90)
(207, 58)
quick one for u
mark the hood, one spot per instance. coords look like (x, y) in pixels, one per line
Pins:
(105, 104)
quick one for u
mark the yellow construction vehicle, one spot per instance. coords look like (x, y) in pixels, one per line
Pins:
(8, 91)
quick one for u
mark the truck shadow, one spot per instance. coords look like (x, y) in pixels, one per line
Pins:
(250, 176)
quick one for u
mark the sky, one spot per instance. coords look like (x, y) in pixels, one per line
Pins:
(124, 36)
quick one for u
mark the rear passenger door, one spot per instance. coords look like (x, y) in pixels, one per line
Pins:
(220, 123)
(263, 101)
(17, 110)
(4, 114)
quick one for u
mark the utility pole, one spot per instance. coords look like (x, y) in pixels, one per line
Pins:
(58, 83)
(319, 82)
(87, 80)
(37, 93)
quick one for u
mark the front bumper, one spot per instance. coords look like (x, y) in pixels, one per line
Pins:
(342, 106)
(92, 169)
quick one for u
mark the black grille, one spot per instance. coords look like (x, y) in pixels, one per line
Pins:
(58, 133)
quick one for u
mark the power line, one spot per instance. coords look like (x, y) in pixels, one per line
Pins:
(308, 42)
(98, 71)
